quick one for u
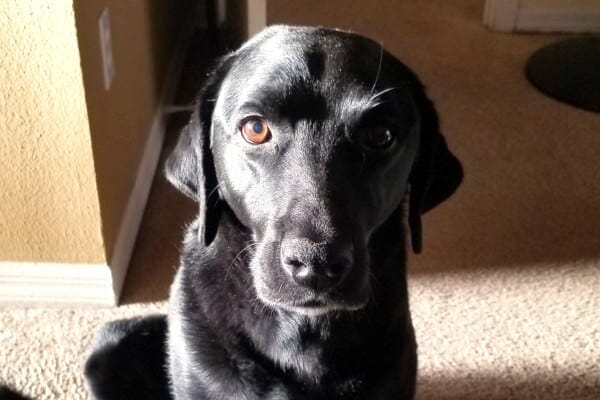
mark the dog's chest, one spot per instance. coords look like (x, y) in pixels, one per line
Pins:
(312, 353)
(294, 343)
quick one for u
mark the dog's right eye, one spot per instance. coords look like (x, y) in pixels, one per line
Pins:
(255, 130)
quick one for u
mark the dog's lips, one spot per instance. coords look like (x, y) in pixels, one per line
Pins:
(322, 304)
(318, 307)
(312, 304)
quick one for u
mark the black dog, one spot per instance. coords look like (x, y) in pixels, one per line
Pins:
(292, 283)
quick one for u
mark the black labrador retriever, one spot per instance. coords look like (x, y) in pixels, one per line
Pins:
(302, 150)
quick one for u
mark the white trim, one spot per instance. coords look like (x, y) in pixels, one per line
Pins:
(542, 16)
(559, 20)
(221, 12)
(136, 205)
(500, 15)
(257, 16)
(32, 283)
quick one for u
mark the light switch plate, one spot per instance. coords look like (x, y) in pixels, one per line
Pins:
(108, 62)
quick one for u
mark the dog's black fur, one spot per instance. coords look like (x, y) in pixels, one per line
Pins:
(292, 283)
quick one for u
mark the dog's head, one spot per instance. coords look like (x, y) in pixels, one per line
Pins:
(312, 138)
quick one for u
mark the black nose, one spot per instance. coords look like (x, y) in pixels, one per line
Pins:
(316, 266)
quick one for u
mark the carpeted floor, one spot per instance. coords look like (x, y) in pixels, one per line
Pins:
(505, 297)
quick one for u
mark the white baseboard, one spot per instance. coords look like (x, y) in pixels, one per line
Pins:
(542, 16)
(558, 20)
(64, 283)
(33, 283)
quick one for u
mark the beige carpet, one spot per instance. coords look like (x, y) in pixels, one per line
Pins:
(505, 297)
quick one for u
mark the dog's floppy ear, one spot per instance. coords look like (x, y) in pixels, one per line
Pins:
(190, 167)
(436, 173)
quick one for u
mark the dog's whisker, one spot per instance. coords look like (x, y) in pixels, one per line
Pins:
(378, 68)
(214, 190)
(384, 91)
(279, 290)
(375, 96)
(237, 258)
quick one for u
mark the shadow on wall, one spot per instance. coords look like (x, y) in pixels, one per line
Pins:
(523, 201)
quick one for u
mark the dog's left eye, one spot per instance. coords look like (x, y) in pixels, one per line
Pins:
(377, 138)
(255, 130)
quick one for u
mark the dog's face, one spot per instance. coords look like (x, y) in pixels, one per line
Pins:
(311, 138)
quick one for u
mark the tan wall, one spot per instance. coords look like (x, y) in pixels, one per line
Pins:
(120, 119)
(69, 150)
(236, 23)
(357, 15)
(49, 207)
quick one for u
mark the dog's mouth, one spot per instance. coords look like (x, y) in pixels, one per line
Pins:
(308, 303)
(316, 307)
(313, 304)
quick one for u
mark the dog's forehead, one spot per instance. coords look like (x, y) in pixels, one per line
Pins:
(321, 65)
(310, 53)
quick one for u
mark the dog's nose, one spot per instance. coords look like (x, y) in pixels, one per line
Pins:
(316, 266)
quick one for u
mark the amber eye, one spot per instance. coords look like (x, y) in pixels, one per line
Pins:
(255, 130)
